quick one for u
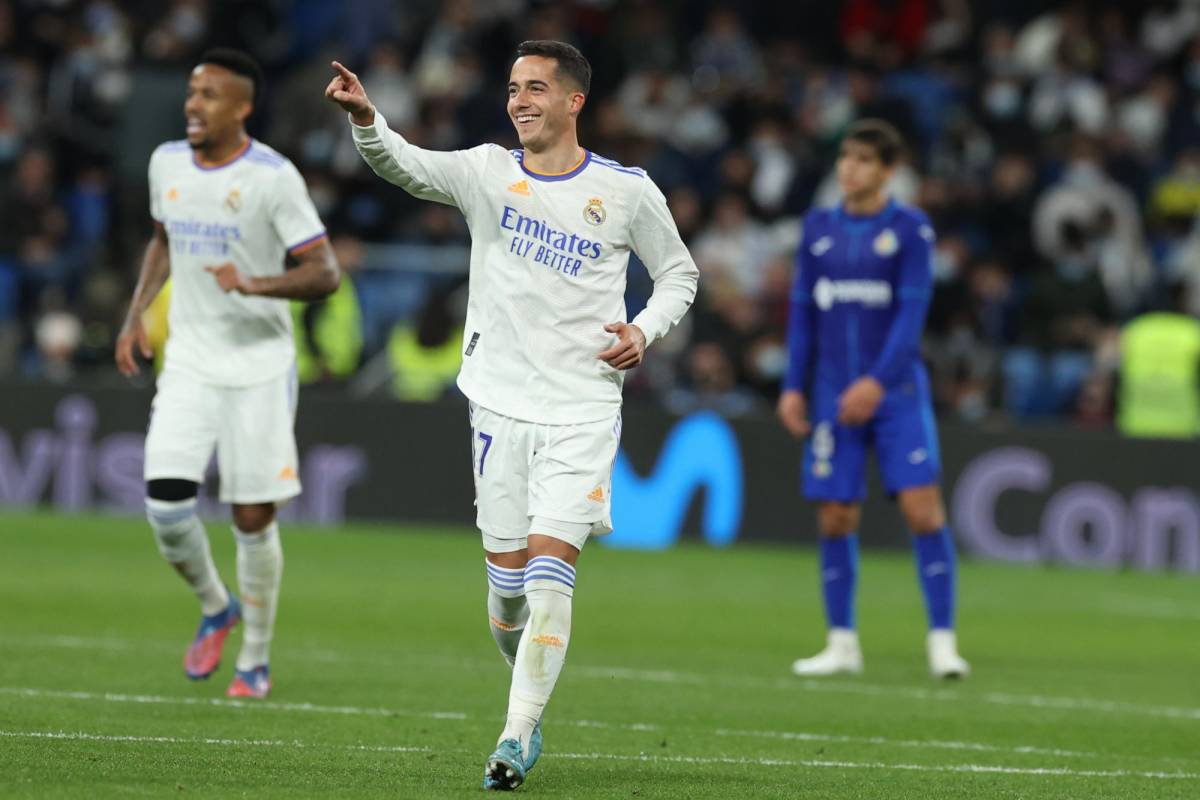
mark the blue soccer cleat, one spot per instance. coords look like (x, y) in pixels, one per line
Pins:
(253, 683)
(204, 654)
(505, 769)
(535, 747)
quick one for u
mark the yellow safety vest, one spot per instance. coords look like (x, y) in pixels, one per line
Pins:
(1160, 377)
(422, 374)
(338, 335)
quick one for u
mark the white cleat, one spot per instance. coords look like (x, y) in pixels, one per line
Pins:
(841, 655)
(944, 660)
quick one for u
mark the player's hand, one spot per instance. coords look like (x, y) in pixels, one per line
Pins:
(860, 401)
(347, 91)
(793, 413)
(231, 279)
(629, 349)
(133, 334)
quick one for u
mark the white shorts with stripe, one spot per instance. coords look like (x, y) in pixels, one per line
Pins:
(554, 480)
(250, 427)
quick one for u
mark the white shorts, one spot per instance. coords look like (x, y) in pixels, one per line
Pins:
(250, 427)
(554, 480)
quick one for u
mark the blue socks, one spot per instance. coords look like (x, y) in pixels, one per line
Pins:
(934, 554)
(839, 576)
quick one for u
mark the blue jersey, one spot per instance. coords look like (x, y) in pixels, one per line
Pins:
(861, 293)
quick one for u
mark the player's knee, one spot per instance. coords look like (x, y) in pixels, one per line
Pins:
(837, 519)
(253, 518)
(923, 511)
(172, 522)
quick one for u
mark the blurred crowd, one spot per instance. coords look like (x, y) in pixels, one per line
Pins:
(1055, 145)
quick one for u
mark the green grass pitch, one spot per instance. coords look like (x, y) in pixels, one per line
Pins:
(387, 683)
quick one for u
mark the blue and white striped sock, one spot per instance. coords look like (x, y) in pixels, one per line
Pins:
(549, 586)
(507, 610)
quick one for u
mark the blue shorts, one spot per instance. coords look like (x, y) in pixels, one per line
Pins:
(902, 433)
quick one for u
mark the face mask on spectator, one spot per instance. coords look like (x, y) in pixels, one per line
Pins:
(1003, 100)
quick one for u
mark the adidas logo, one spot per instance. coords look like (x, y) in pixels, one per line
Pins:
(286, 474)
(520, 187)
(597, 495)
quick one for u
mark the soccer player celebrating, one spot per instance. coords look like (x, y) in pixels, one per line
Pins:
(552, 226)
(227, 209)
(862, 288)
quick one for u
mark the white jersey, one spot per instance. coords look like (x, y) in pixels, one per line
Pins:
(250, 211)
(548, 263)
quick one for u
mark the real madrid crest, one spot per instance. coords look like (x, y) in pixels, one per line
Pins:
(594, 213)
(234, 201)
(886, 243)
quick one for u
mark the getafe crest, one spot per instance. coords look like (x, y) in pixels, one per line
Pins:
(234, 201)
(886, 243)
(594, 213)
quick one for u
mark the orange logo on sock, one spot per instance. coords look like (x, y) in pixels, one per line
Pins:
(287, 474)
(548, 640)
(597, 495)
(504, 626)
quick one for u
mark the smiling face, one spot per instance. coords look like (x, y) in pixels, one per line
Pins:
(218, 103)
(860, 170)
(541, 104)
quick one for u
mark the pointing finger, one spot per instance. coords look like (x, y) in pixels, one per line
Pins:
(346, 74)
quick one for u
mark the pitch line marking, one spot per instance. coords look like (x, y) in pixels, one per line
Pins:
(113, 697)
(698, 679)
(1063, 772)
(95, 737)
(940, 744)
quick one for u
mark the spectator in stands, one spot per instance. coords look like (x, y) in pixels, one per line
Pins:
(1160, 371)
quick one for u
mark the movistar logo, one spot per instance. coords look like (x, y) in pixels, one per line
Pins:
(701, 452)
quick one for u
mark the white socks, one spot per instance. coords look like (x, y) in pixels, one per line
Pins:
(259, 568)
(507, 610)
(183, 542)
(549, 585)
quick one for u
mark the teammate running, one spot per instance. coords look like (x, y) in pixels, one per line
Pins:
(227, 210)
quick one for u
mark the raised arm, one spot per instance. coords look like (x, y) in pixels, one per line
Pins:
(443, 177)
(155, 269)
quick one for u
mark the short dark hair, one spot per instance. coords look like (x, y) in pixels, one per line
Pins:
(570, 61)
(881, 136)
(238, 62)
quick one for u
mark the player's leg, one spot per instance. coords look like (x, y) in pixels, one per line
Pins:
(569, 496)
(258, 462)
(837, 524)
(933, 550)
(835, 476)
(909, 457)
(178, 446)
(500, 455)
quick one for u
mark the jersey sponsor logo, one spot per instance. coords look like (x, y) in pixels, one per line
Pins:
(821, 246)
(886, 244)
(542, 243)
(521, 188)
(195, 238)
(594, 213)
(874, 294)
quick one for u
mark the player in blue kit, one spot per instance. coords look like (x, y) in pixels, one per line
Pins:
(855, 382)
